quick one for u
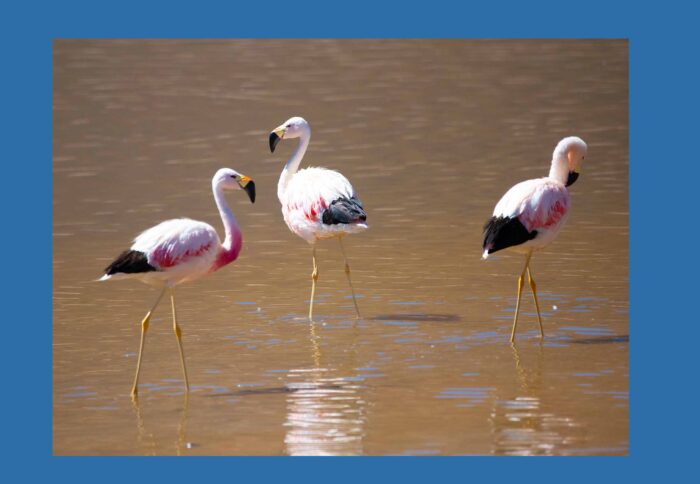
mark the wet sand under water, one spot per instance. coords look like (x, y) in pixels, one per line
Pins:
(431, 134)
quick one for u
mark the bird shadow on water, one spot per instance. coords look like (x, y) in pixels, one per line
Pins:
(428, 317)
(622, 338)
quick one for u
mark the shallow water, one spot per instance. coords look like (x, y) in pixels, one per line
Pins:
(431, 133)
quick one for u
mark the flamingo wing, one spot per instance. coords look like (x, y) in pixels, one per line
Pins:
(324, 196)
(175, 242)
(344, 211)
(129, 262)
(527, 209)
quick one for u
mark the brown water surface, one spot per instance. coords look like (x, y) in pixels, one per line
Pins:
(431, 134)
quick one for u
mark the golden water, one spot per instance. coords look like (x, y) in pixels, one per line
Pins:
(431, 134)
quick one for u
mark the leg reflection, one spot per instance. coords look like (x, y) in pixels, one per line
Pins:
(147, 441)
(325, 411)
(527, 421)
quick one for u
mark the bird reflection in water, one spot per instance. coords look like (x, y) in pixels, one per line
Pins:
(521, 425)
(325, 412)
(147, 440)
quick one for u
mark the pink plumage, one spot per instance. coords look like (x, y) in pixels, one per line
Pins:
(540, 205)
(181, 250)
(530, 215)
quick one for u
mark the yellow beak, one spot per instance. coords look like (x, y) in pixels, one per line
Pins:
(244, 181)
(248, 185)
(276, 135)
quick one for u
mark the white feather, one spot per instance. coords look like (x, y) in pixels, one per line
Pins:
(307, 193)
(306, 196)
(182, 249)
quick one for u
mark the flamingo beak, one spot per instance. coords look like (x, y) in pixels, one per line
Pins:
(573, 167)
(249, 186)
(275, 137)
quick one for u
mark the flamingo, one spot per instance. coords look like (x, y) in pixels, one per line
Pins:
(317, 203)
(529, 216)
(181, 250)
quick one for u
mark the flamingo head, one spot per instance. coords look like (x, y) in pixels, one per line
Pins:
(574, 150)
(294, 127)
(228, 179)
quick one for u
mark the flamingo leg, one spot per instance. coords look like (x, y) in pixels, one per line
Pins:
(521, 280)
(144, 329)
(314, 278)
(533, 287)
(178, 334)
(347, 273)
(182, 426)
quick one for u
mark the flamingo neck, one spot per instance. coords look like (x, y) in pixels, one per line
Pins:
(560, 166)
(293, 164)
(233, 242)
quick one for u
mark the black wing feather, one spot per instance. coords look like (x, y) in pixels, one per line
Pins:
(344, 211)
(503, 232)
(130, 262)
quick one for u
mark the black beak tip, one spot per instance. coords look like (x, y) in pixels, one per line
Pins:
(573, 176)
(250, 190)
(274, 139)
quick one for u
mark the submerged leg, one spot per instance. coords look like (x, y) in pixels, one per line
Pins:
(178, 334)
(533, 287)
(521, 279)
(347, 273)
(182, 426)
(144, 328)
(314, 278)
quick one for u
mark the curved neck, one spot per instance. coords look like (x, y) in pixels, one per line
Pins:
(560, 167)
(233, 241)
(293, 164)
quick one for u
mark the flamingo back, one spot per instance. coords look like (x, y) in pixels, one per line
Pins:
(181, 248)
(540, 205)
(310, 193)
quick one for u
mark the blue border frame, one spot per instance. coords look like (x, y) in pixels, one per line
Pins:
(663, 134)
